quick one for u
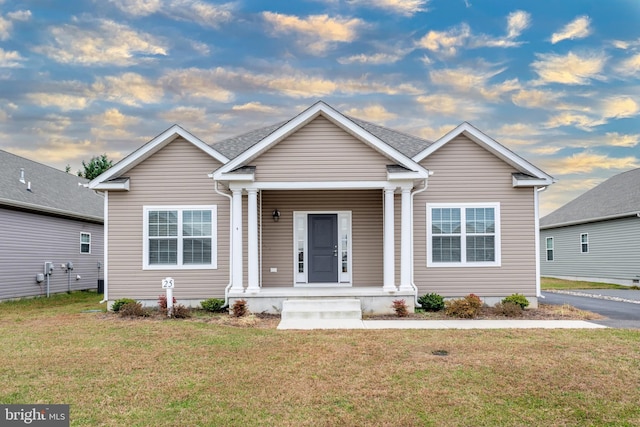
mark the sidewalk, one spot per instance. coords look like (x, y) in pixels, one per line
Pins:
(308, 324)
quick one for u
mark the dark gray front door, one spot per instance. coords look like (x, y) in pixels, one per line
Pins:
(323, 248)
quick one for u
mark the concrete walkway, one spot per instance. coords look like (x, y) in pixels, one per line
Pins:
(307, 324)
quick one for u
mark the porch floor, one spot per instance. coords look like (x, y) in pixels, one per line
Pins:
(373, 299)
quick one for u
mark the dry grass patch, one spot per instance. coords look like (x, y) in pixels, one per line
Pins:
(145, 372)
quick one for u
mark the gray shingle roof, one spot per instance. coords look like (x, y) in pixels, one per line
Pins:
(617, 196)
(406, 144)
(234, 146)
(52, 190)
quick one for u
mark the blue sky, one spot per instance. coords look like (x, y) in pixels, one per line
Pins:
(558, 82)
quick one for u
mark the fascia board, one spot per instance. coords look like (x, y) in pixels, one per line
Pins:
(113, 186)
(530, 182)
(589, 220)
(151, 147)
(49, 210)
(490, 144)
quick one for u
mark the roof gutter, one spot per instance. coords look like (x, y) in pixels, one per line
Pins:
(54, 211)
(587, 220)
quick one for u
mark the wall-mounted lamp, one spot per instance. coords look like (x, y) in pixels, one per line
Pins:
(276, 215)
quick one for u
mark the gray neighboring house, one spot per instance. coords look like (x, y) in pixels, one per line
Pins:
(47, 215)
(596, 237)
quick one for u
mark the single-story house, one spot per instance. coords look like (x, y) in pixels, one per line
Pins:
(322, 206)
(596, 237)
(47, 217)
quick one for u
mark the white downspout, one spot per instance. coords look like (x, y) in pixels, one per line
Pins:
(413, 285)
(105, 238)
(226, 288)
(537, 191)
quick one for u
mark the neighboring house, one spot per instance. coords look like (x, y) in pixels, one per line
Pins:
(47, 215)
(322, 205)
(596, 237)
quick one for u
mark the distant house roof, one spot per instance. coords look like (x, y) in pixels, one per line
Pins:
(47, 190)
(617, 197)
(408, 145)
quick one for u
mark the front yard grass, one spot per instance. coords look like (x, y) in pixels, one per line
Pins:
(548, 283)
(143, 372)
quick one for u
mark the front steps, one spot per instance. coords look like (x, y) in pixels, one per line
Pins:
(331, 313)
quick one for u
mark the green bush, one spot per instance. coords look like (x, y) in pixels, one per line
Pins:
(117, 304)
(519, 299)
(508, 309)
(431, 302)
(132, 309)
(464, 308)
(213, 305)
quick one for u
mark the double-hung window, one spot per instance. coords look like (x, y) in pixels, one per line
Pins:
(182, 237)
(549, 246)
(463, 235)
(85, 243)
(584, 243)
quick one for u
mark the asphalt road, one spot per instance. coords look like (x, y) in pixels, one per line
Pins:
(619, 314)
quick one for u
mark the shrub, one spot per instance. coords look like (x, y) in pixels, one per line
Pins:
(239, 308)
(519, 299)
(400, 307)
(213, 305)
(431, 302)
(180, 312)
(162, 302)
(132, 309)
(117, 304)
(464, 308)
(508, 309)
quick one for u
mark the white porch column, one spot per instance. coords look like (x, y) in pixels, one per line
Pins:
(236, 265)
(405, 238)
(253, 281)
(388, 244)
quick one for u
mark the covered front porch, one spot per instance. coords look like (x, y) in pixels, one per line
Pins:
(326, 243)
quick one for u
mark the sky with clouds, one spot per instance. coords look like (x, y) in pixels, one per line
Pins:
(558, 82)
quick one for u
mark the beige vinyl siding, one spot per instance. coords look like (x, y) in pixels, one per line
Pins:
(321, 151)
(465, 172)
(175, 175)
(367, 231)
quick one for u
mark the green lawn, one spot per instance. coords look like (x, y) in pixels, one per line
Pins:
(548, 283)
(117, 372)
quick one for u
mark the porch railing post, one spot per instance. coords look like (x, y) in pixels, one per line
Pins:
(236, 212)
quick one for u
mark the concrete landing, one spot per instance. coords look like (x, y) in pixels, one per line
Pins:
(321, 309)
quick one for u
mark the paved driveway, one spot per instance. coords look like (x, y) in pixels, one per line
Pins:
(621, 307)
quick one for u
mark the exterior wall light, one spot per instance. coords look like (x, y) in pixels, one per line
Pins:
(276, 215)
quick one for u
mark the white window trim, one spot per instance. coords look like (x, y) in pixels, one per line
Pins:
(463, 240)
(302, 279)
(546, 249)
(84, 243)
(179, 265)
(584, 243)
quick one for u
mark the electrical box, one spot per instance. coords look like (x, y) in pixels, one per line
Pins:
(48, 268)
(40, 277)
(69, 265)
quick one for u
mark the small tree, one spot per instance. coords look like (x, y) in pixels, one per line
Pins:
(95, 166)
